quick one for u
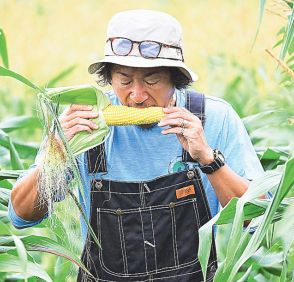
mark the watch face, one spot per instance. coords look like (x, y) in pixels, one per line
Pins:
(219, 161)
(221, 156)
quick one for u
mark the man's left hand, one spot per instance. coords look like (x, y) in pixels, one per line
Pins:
(189, 131)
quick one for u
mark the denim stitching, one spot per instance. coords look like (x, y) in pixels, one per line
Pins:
(155, 258)
(195, 207)
(122, 243)
(136, 193)
(157, 207)
(145, 252)
(164, 269)
(173, 236)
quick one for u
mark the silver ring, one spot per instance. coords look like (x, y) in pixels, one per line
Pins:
(182, 131)
(182, 123)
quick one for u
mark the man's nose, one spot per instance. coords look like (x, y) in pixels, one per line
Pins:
(138, 93)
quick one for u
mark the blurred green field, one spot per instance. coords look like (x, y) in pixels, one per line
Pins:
(45, 37)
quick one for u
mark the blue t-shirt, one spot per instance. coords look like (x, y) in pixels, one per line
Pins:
(135, 154)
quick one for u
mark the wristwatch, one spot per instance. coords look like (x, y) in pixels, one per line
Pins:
(219, 161)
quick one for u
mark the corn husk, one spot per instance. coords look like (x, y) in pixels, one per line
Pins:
(108, 114)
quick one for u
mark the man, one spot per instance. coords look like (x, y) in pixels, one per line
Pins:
(149, 188)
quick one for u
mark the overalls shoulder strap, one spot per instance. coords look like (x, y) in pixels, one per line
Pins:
(195, 103)
(96, 159)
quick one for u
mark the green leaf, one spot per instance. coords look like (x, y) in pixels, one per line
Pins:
(285, 185)
(265, 119)
(22, 253)
(43, 244)
(79, 94)
(14, 157)
(289, 36)
(4, 196)
(20, 122)
(12, 264)
(233, 209)
(10, 174)
(25, 150)
(3, 49)
(261, 11)
(9, 73)
(6, 184)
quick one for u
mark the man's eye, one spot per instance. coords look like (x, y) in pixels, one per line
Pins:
(125, 82)
(152, 82)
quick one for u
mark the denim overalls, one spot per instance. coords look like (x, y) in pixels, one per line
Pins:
(148, 230)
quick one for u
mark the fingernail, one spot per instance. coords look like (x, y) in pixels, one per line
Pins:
(160, 123)
(96, 126)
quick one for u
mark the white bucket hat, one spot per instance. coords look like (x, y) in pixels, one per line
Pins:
(144, 38)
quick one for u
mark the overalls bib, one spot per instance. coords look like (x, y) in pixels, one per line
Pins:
(148, 230)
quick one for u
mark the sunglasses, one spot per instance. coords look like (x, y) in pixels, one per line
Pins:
(148, 49)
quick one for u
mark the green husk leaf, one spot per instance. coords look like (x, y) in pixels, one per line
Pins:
(84, 141)
(79, 94)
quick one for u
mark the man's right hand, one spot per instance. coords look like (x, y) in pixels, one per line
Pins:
(76, 118)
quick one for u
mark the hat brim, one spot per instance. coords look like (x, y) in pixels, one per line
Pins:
(140, 62)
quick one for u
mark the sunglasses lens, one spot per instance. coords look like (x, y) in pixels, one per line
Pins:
(121, 46)
(149, 49)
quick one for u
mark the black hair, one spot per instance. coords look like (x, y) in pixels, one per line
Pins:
(179, 80)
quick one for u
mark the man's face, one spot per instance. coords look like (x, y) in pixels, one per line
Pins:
(142, 87)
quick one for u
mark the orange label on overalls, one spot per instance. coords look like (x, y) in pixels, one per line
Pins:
(185, 191)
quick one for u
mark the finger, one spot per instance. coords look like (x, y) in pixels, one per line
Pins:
(80, 114)
(78, 128)
(79, 107)
(75, 107)
(179, 122)
(181, 114)
(81, 121)
(174, 130)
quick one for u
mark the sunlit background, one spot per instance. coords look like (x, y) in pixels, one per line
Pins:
(45, 37)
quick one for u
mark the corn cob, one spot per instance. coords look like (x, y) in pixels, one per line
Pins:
(123, 115)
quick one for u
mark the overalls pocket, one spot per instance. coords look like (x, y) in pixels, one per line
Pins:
(154, 239)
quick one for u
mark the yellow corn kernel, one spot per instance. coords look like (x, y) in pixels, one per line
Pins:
(123, 115)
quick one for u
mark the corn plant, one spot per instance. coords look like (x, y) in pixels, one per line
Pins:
(260, 252)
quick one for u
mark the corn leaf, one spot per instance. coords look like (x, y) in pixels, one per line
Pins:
(4, 196)
(12, 264)
(248, 249)
(20, 122)
(3, 49)
(231, 212)
(289, 36)
(10, 174)
(261, 11)
(9, 73)
(6, 184)
(14, 157)
(43, 244)
(22, 253)
(25, 150)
